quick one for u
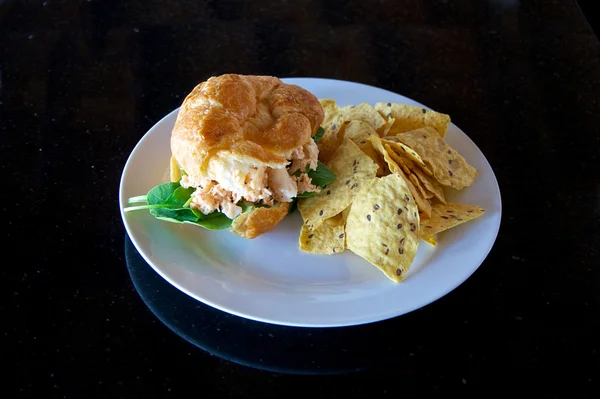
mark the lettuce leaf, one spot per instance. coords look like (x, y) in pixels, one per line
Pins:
(170, 202)
(319, 134)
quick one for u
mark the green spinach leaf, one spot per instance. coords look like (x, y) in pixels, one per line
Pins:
(293, 205)
(170, 202)
(319, 134)
(214, 221)
(179, 198)
(306, 194)
(174, 215)
(322, 176)
(160, 194)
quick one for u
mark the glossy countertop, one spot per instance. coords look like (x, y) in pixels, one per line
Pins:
(84, 316)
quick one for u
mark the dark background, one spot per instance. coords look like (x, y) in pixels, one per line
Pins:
(587, 8)
(82, 81)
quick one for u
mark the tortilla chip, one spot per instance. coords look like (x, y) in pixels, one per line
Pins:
(403, 163)
(364, 112)
(359, 132)
(417, 183)
(258, 221)
(336, 119)
(345, 213)
(327, 239)
(351, 167)
(383, 130)
(332, 123)
(446, 216)
(442, 162)
(423, 204)
(429, 239)
(429, 195)
(404, 150)
(430, 184)
(174, 170)
(410, 117)
(427, 182)
(383, 226)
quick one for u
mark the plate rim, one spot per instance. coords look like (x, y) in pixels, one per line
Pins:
(418, 305)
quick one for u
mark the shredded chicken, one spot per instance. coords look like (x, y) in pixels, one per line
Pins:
(213, 197)
(305, 184)
(283, 185)
(303, 156)
(228, 181)
(243, 180)
(187, 181)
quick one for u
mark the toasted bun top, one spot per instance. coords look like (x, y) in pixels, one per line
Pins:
(257, 120)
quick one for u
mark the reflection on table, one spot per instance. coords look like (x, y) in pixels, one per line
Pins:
(261, 345)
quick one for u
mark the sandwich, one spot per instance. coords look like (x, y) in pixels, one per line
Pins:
(243, 150)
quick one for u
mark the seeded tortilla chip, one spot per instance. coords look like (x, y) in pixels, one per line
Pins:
(174, 170)
(410, 117)
(364, 112)
(383, 226)
(429, 195)
(417, 183)
(352, 167)
(336, 119)
(423, 204)
(430, 184)
(332, 123)
(429, 239)
(345, 213)
(359, 132)
(327, 239)
(383, 130)
(448, 215)
(427, 182)
(404, 150)
(442, 162)
(403, 163)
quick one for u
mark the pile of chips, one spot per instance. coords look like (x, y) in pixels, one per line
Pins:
(392, 166)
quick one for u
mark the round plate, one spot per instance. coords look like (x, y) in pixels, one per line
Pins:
(269, 278)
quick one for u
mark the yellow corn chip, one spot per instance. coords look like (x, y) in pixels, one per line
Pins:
(332, 122)
(410, 117)
(429, 195)
(448, 215)
(345, 213)
(364, 112)
(398, 159)
(336, 119)
(429, 239)
(174, 170)
(403, 163)
(383, 130)
(326, 239)
(359, 132)
(404, 150)
(417, 183)
(431, 186)
(351, 167)
(445, 164)
(383, 226)
(423, 204)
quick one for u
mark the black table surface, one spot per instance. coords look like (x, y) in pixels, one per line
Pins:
(83, 316)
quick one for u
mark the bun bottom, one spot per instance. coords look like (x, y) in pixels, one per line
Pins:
(258, 221)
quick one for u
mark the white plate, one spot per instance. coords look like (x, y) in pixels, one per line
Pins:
(269, 279)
